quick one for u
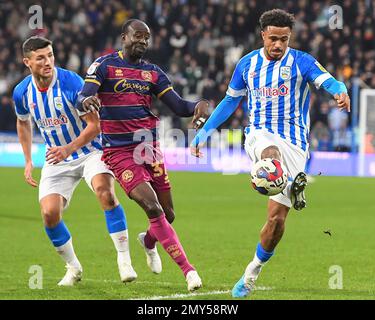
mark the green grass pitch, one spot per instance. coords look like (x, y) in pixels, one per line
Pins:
(218, 219)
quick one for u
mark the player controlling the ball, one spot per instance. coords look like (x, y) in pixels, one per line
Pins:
(124, 84)
(276, 79)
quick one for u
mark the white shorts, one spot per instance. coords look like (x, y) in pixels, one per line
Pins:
(292, 157)
(63, 178)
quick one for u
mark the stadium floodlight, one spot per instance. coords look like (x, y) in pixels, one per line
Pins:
(366, 128)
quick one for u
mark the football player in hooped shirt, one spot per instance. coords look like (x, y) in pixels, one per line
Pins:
(276, 80)
(120, 86)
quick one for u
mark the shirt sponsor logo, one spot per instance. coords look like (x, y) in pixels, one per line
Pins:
(123, 85)
(268, 92)
(52, 122)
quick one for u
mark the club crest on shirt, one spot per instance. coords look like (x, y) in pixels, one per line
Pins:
(285, 73)
(58, 103)
(146, 75)
(127, 175)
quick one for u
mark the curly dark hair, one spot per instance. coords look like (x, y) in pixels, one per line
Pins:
(276, 18)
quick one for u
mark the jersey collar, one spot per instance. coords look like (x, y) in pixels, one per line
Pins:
(54, 78)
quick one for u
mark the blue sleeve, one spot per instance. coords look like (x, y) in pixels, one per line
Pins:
(75, 85)
(22, 111)
(222, 112)
(333, 86)
(312, 70)
(237, 85)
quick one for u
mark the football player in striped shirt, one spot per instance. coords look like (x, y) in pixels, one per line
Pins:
(276, 80)
(125, 84)
(48, 95)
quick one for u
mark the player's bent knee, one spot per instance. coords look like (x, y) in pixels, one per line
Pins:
(152, 208)
(106, 197)
(272, 152)
(51, 217)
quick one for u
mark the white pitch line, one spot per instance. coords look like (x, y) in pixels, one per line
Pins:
(188, 295)
(173, 296)
(119, 281)
(182, 295)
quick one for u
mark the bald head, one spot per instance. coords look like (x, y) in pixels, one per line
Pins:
(135, 39)
(134, 24)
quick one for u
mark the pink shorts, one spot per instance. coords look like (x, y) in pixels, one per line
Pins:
(133, 165)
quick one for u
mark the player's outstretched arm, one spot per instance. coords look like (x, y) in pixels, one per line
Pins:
(25, 136)
(222, 112)
(338, 90)
(57, 154)
(185, 108)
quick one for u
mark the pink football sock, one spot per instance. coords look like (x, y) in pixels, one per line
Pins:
(165, 234)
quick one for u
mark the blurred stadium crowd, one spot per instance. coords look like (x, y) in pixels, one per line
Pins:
(197, 43)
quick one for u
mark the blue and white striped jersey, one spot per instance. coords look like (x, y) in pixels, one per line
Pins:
(53, 110)
(278, 92)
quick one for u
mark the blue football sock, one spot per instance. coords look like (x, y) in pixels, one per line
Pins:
(262, 254)
(59, 234)
(115, 219)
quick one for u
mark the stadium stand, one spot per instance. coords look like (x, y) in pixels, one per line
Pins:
(197, 43)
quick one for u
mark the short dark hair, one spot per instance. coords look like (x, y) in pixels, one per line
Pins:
(34, 43)
(276, 18)
(127, 24)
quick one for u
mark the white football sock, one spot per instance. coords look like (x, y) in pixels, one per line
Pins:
(66, 252)
(287, 191)
(121, 242)
(253, 269)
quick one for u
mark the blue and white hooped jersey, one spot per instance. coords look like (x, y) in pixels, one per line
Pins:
(278, 92)
(53, 110)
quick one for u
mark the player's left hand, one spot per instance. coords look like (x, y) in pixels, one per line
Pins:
(343, 101)
(55, 155)
(200, 114)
